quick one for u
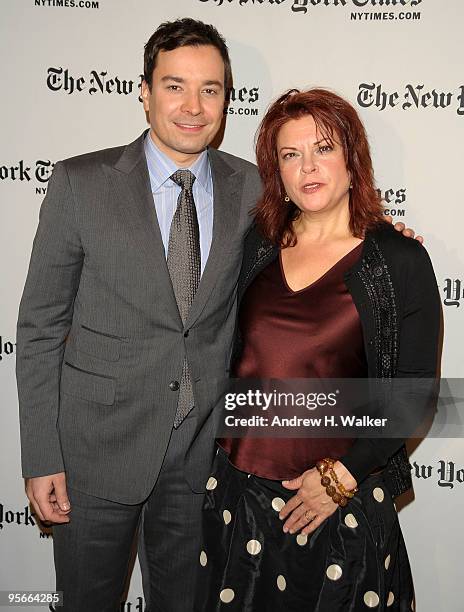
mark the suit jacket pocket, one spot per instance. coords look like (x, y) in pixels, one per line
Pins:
(87, 385)
(98, 344)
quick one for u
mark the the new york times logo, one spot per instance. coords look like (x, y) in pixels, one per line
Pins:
(89, 4)
(454, 292)
(61, 79)
(448, 474)
(16, 517)
(240, 101)
(7, 348)
(125, 606)
(21, 172)
(416, 97)
(393, 197)
(41, 171)
(302, 6)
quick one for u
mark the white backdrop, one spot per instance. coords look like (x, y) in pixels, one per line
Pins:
(70, 73)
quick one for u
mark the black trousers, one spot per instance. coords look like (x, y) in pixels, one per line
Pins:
(92, 552)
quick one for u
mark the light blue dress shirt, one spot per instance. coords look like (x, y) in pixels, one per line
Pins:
(166, 192)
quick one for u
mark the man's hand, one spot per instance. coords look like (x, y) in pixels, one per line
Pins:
(400, 227)
(49, 498)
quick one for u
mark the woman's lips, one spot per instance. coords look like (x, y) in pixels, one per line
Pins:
(311, 187)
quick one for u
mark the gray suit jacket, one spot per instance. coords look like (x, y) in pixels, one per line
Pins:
(100, 337)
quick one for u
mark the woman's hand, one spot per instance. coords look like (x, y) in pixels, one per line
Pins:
(311, 505)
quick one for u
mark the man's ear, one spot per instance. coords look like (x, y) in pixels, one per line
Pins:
(145, 94)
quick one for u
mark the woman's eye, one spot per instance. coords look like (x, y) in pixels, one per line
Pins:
(325, 148)
(289, 155)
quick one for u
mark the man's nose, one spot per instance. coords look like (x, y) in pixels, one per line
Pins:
(192, 104)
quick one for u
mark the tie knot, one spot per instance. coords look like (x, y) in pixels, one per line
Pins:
(183, 178)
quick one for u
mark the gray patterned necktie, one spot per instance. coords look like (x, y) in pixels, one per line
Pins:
(184, 265)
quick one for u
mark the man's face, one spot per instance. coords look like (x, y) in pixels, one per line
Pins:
(186, 102)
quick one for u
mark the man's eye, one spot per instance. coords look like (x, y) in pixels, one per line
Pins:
(173, 87)
(210, 92)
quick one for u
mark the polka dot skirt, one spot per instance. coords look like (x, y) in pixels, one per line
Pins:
(356, 560)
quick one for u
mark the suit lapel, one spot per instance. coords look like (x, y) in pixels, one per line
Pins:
(138, 211)
(132, 185)
(227, 188)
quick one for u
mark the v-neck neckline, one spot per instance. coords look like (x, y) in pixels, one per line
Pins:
(317, 280)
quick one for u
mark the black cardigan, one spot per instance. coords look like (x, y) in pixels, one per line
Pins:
(394, 289)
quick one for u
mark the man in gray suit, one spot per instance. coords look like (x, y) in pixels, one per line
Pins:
(125, 329)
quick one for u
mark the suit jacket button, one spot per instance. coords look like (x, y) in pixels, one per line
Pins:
(186, 333)
(174, 385)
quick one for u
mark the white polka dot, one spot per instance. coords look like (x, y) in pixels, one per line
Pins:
(350, 521)
(203, 558)
(302, 539)
(387, 562)
(371, 599)
(253, 547)
(211, 484)
(227, 516)
(248, 475)
(378, 494)
(391, 599)
(334, 572)
(281, 583)
(278, 503)
(226, 595)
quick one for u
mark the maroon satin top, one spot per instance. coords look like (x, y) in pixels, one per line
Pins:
(311, 333)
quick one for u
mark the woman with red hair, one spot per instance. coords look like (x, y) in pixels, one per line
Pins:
(327, 289)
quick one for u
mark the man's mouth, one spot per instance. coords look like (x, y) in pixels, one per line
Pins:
(190, 127)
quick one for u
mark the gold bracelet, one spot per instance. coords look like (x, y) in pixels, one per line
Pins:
(340, 497)
(346, 492)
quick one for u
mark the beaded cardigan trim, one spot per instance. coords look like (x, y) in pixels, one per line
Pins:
(377, 283)
(376, 279)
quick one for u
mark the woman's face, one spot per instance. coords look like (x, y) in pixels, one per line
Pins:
(312, 169)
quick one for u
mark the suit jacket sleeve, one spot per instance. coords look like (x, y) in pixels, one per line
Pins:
(418, 350)
(45, 316)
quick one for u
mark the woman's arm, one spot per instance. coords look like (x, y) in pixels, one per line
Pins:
(418, 349)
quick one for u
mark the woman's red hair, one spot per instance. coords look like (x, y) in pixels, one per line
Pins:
(336, 119)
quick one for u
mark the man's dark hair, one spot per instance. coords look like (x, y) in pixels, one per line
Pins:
(185, 32)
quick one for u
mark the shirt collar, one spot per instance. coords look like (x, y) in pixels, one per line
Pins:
(161, 167)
